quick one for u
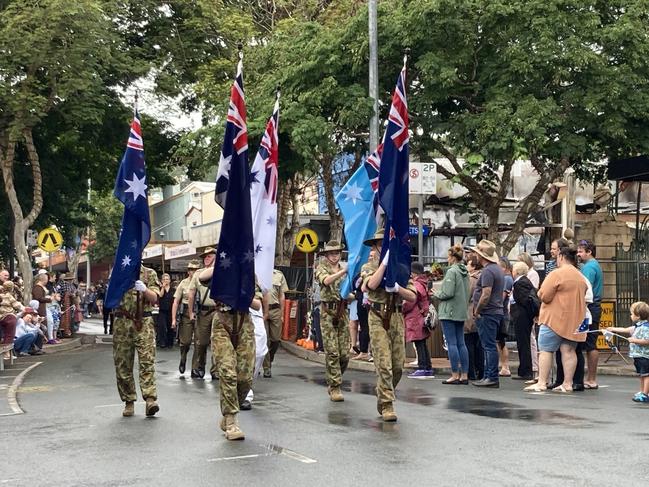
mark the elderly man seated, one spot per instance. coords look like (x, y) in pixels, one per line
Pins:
(29, 337)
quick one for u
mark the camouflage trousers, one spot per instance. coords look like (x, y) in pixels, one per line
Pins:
(235, 366)
(126, 341)
(274, 333)
(185, 335)
(389, 352)
(336, 342)
(202, 339)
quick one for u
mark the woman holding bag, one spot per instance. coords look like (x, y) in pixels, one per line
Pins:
(414, 315)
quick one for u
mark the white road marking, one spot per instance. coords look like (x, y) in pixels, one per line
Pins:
(121, 404)
(13, 389)
(239, 457)
(272, 450)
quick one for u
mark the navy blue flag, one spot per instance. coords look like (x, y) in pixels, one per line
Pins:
(393, 188)
(234, 269)
(131, 190)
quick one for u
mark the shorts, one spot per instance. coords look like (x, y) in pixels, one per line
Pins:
(353, 311)
(502, 335)
(549, 341)
(641, 366)
(591, 338)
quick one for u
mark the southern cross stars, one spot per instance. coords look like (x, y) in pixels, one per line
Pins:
(353, 193)
(126, 261)
(136, 186)
(249, 256)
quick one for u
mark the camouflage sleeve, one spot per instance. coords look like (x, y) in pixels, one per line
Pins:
(411, 286)
(152, 280)
(258, 294)
(284, 284)
(321, 273)
(366, 273)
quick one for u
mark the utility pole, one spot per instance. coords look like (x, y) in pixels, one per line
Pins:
(374, 74)
(88, 243)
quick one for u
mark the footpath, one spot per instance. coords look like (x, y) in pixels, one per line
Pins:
(609, 363)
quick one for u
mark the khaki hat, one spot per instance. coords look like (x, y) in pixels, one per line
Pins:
(208, 251)
(332, 246)
(487, 250)
(8, 285)
(193, 264)
(377, 236)
(67, 277)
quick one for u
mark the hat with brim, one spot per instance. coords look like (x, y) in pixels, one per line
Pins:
(332, 246)
(42, 271)
(208, 251)
(67, 277)
(377, 236)
(487, 250)
(29, 311)
(193, 265)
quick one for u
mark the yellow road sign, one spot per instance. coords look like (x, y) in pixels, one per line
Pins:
(306, 240)
(607, 320)
(50, 240)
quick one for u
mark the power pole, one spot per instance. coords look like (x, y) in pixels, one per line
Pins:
(374, 74)
(88, 243)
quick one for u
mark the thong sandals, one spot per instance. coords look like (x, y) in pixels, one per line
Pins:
(534, 388)
(590, 387)
(562, 390)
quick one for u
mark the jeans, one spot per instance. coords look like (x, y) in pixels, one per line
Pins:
(487, 329)
(25, 343)
(317, 331)
(423, 355)
(476, 355)
(457, 351)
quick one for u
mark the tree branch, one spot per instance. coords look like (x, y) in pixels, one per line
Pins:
(34, 160)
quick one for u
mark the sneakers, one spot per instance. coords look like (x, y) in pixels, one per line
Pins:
(640, 397)
(129, 409)
(52, 342)
(421, 374)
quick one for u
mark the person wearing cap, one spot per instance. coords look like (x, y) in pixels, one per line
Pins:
(134, 331)
(386, 326)
(488, 309)
(201, 316)
(180, 309)
(276, 300)
(334, 320)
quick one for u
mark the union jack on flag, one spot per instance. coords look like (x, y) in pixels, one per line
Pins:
(135, 135)
(399, 112)
(235, 142)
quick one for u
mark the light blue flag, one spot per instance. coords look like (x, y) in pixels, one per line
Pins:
(356, 203)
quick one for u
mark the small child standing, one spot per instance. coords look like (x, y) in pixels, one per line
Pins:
(638, 345)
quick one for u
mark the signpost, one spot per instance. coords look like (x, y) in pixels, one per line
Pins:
(422, 181)
(50, 240)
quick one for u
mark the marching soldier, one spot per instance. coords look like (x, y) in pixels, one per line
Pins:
(134, 330)
(201, 316)
(233, 345)
(180, 315)
(275, 314)
(334, 320)
(386, 327)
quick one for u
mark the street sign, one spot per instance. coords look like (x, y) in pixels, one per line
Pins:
(606, 321)
(50, 240)
(306, 240)
(32, 235)
(422, 178)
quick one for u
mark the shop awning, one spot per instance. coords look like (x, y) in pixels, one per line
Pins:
(630, 169)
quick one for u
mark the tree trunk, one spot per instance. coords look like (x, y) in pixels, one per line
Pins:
(335, 222)
(21, 222)
(283, 205)
(73, 263)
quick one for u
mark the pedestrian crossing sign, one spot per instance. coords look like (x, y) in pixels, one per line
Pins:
(306, 240)
(49, 240)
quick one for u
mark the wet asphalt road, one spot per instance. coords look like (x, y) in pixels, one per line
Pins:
(72, 432)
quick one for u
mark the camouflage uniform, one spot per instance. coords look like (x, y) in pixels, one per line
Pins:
(185, 326)
(127, 340)
(203, 327)
(335, 338)
(388, 346)
(274, 322)
(235, 366)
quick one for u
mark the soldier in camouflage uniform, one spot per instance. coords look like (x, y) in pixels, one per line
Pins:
(199, 289)
(134, 330)
(233, 345)
(274, 316)
(386, 328)
(334, 319)
(180, 310)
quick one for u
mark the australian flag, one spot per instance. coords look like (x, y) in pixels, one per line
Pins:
(393, 188)
(131, 190)
(358, 204)
(234, 269)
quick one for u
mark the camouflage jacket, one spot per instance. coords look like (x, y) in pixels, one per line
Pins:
(332, 291)
(379, 295)
(150, 279)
